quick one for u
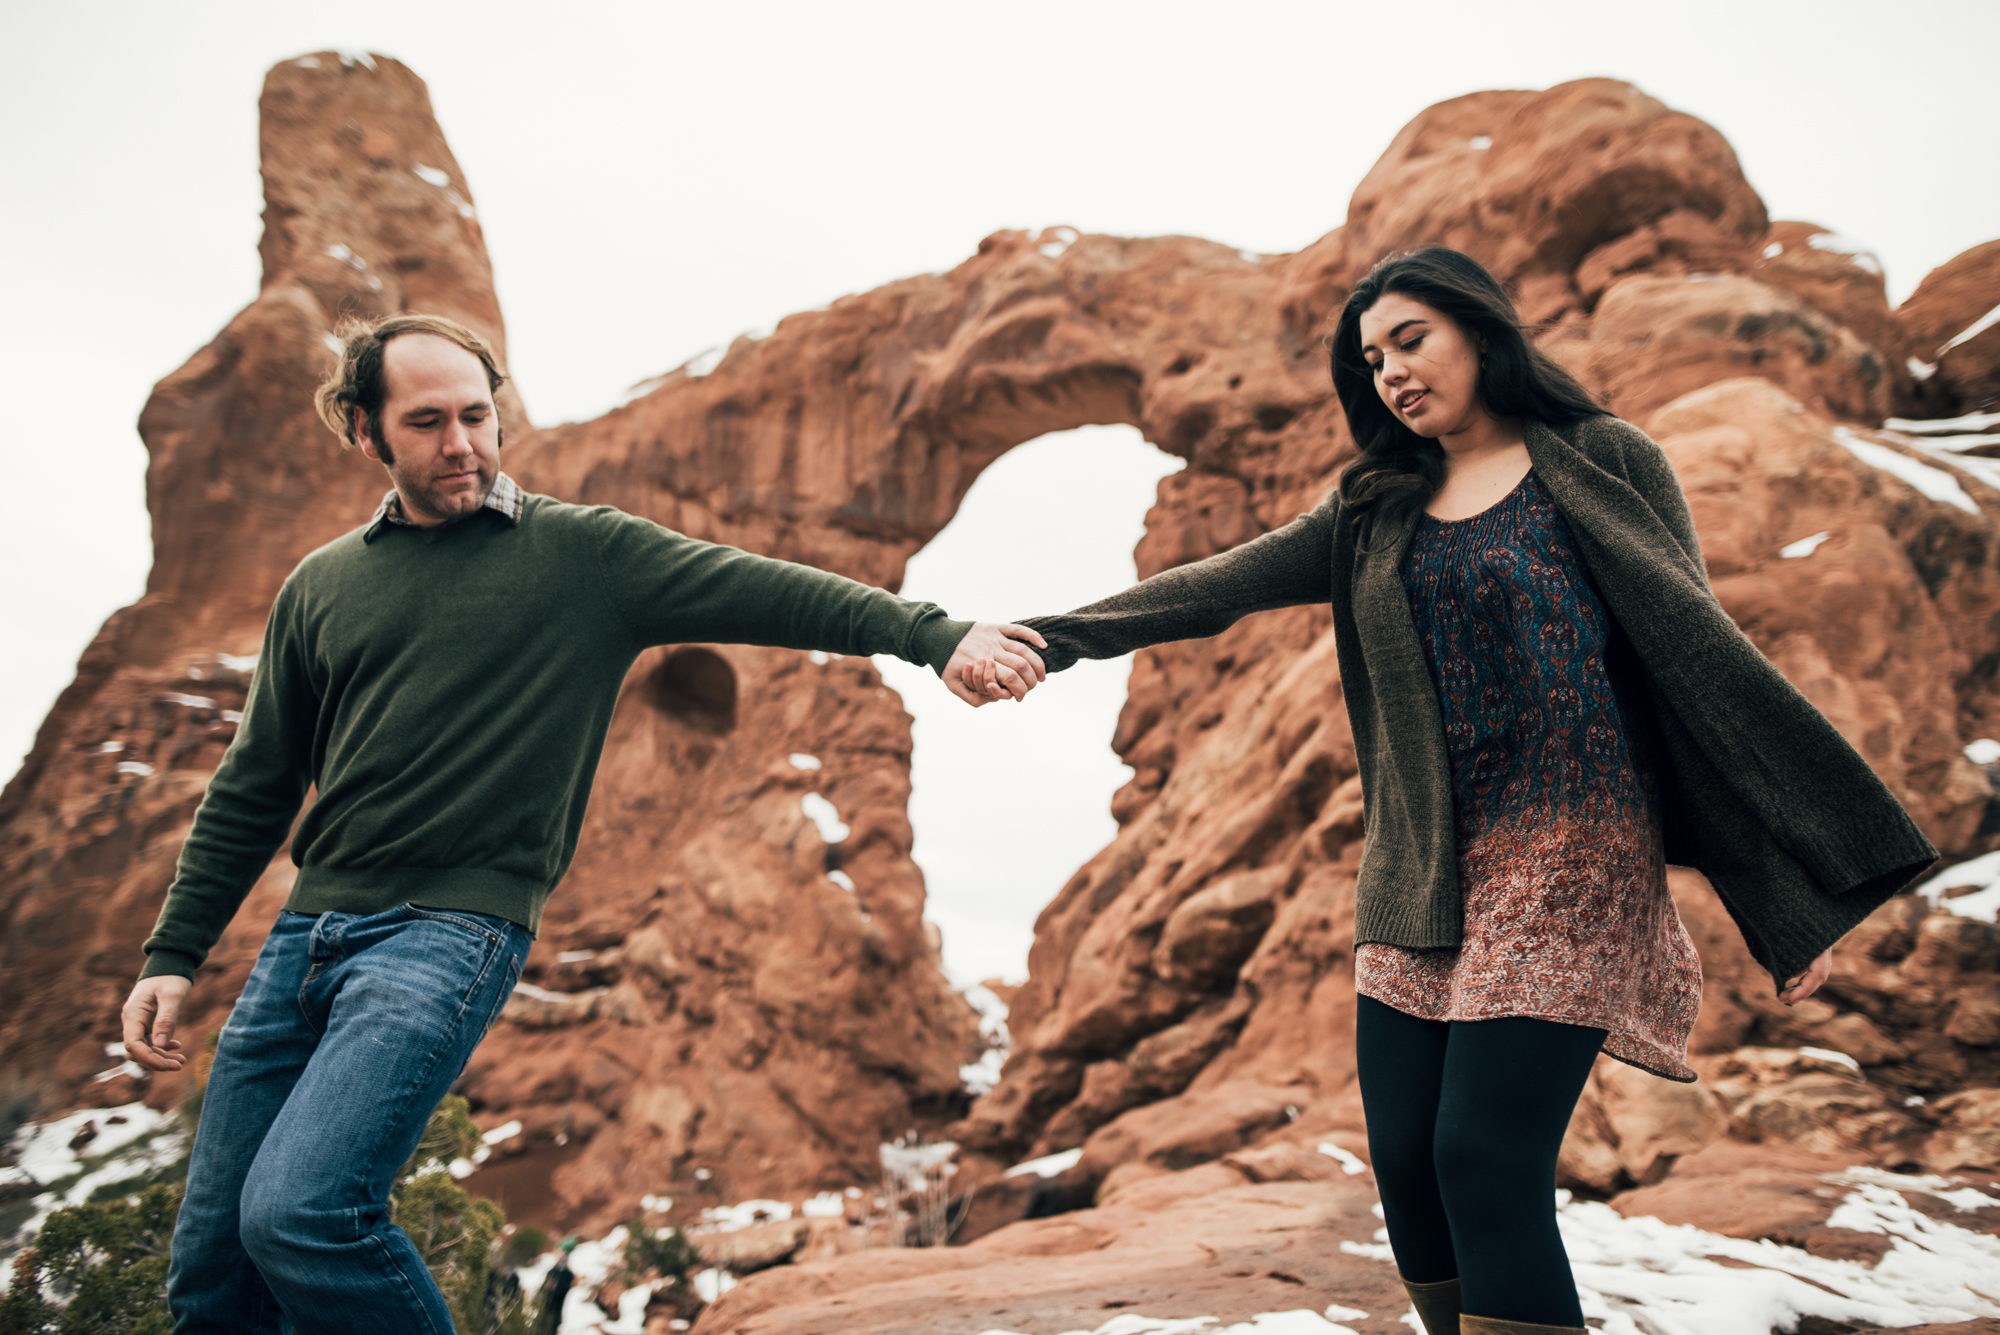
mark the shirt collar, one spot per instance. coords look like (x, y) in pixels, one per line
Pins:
(504, 499)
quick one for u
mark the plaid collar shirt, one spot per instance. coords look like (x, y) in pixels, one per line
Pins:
(504, 499)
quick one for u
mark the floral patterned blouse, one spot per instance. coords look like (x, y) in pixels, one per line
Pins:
(1567, 915)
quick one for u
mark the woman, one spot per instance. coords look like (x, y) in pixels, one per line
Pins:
(1548, 705)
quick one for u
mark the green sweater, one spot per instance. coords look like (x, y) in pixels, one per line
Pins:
(448, 691)
(1759, 792)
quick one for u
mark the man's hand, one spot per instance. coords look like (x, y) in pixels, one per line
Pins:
(150, 1015)
(994, 662)
(1807, 983)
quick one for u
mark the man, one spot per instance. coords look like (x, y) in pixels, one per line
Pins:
(444, 676)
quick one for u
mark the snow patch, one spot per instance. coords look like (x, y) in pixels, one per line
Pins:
(1837, 244)
(826, 1205)
(841, 879)
(187, 701)
(1791, 551)
(351, 58)
(729, 1218)
(1481, 142)
(1249, 257)
(818, 658)
(306, 63)
(1048, 1165)
(1984, 751)
(981, 1076)
(431, 175)
(575, 956)
(333, 345)
(1942, 426)
(1960, 444)
(347, 257)
(138, 767)
(1349, 1163)
(800, 760)
(1775, 249)
(1973, 330)
(1299, 1322)
(1934, 483)
(238, 663)
(1829, 1055)
(1065, 237)
(825, 815)
(1982, 903)
(1920, 370)
(702, 362)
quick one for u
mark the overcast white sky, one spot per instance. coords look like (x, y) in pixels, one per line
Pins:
(654, 179)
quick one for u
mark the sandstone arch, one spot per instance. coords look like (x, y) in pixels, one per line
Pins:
(732, 1022)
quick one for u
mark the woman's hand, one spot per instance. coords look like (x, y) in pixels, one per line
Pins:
(994, 662)
(1804, 985)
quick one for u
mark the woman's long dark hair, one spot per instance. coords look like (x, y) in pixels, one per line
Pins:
(1516, 379)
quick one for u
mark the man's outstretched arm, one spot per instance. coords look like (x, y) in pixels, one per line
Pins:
(672, 589)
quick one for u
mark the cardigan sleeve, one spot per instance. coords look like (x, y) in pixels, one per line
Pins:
(1652, 476)
(1284, 568)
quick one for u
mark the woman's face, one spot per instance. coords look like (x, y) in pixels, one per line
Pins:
(1426, 368)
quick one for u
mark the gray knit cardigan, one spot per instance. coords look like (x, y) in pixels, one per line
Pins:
(1758, 791)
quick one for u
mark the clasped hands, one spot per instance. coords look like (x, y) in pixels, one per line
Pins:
(995, 661)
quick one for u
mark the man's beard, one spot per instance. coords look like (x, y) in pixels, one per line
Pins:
(434, 502)
(428, 498)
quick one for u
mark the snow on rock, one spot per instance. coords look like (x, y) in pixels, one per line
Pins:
(800, 760)
(825, 816)
(980, 1077)
(1943, 426)
(1349, 1163)
(1973, 330)
(1791, 551)
(1643, 1277)
(729, 1218)
(1983, 872)
(1932, 482)
(1064, 238)
(1048, 1165)
(826, 1205)
(1300, 1322)
(1984, 751)
(431, 175)
(1862, 257)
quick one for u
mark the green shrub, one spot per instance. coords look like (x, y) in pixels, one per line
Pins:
(668, 1254)
(106, 1265)
(105, 1262)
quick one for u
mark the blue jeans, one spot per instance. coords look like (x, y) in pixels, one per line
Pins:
(346, 1036)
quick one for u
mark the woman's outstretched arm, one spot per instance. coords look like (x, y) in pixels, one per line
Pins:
(1284, 568)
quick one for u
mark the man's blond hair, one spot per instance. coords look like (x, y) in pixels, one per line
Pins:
(359, 381)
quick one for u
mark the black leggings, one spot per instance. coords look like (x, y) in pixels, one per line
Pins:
(1464, 1122)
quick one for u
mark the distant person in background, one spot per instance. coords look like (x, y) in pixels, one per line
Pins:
(444, 675)
(1548, 705)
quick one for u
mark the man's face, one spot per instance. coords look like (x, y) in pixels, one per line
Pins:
(438, 423)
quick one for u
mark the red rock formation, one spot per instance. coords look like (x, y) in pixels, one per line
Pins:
(713, 1017)
(1947, 306)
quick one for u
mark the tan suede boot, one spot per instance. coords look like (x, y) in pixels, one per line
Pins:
(1487, 1325)
(1436, 1304)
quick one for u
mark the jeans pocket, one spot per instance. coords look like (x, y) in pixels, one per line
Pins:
(516, 958)
(489, 928)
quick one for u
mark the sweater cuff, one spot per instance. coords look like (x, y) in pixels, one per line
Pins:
(936, 639)
(160, 962)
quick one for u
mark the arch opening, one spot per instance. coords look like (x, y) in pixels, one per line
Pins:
(1009, 800)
